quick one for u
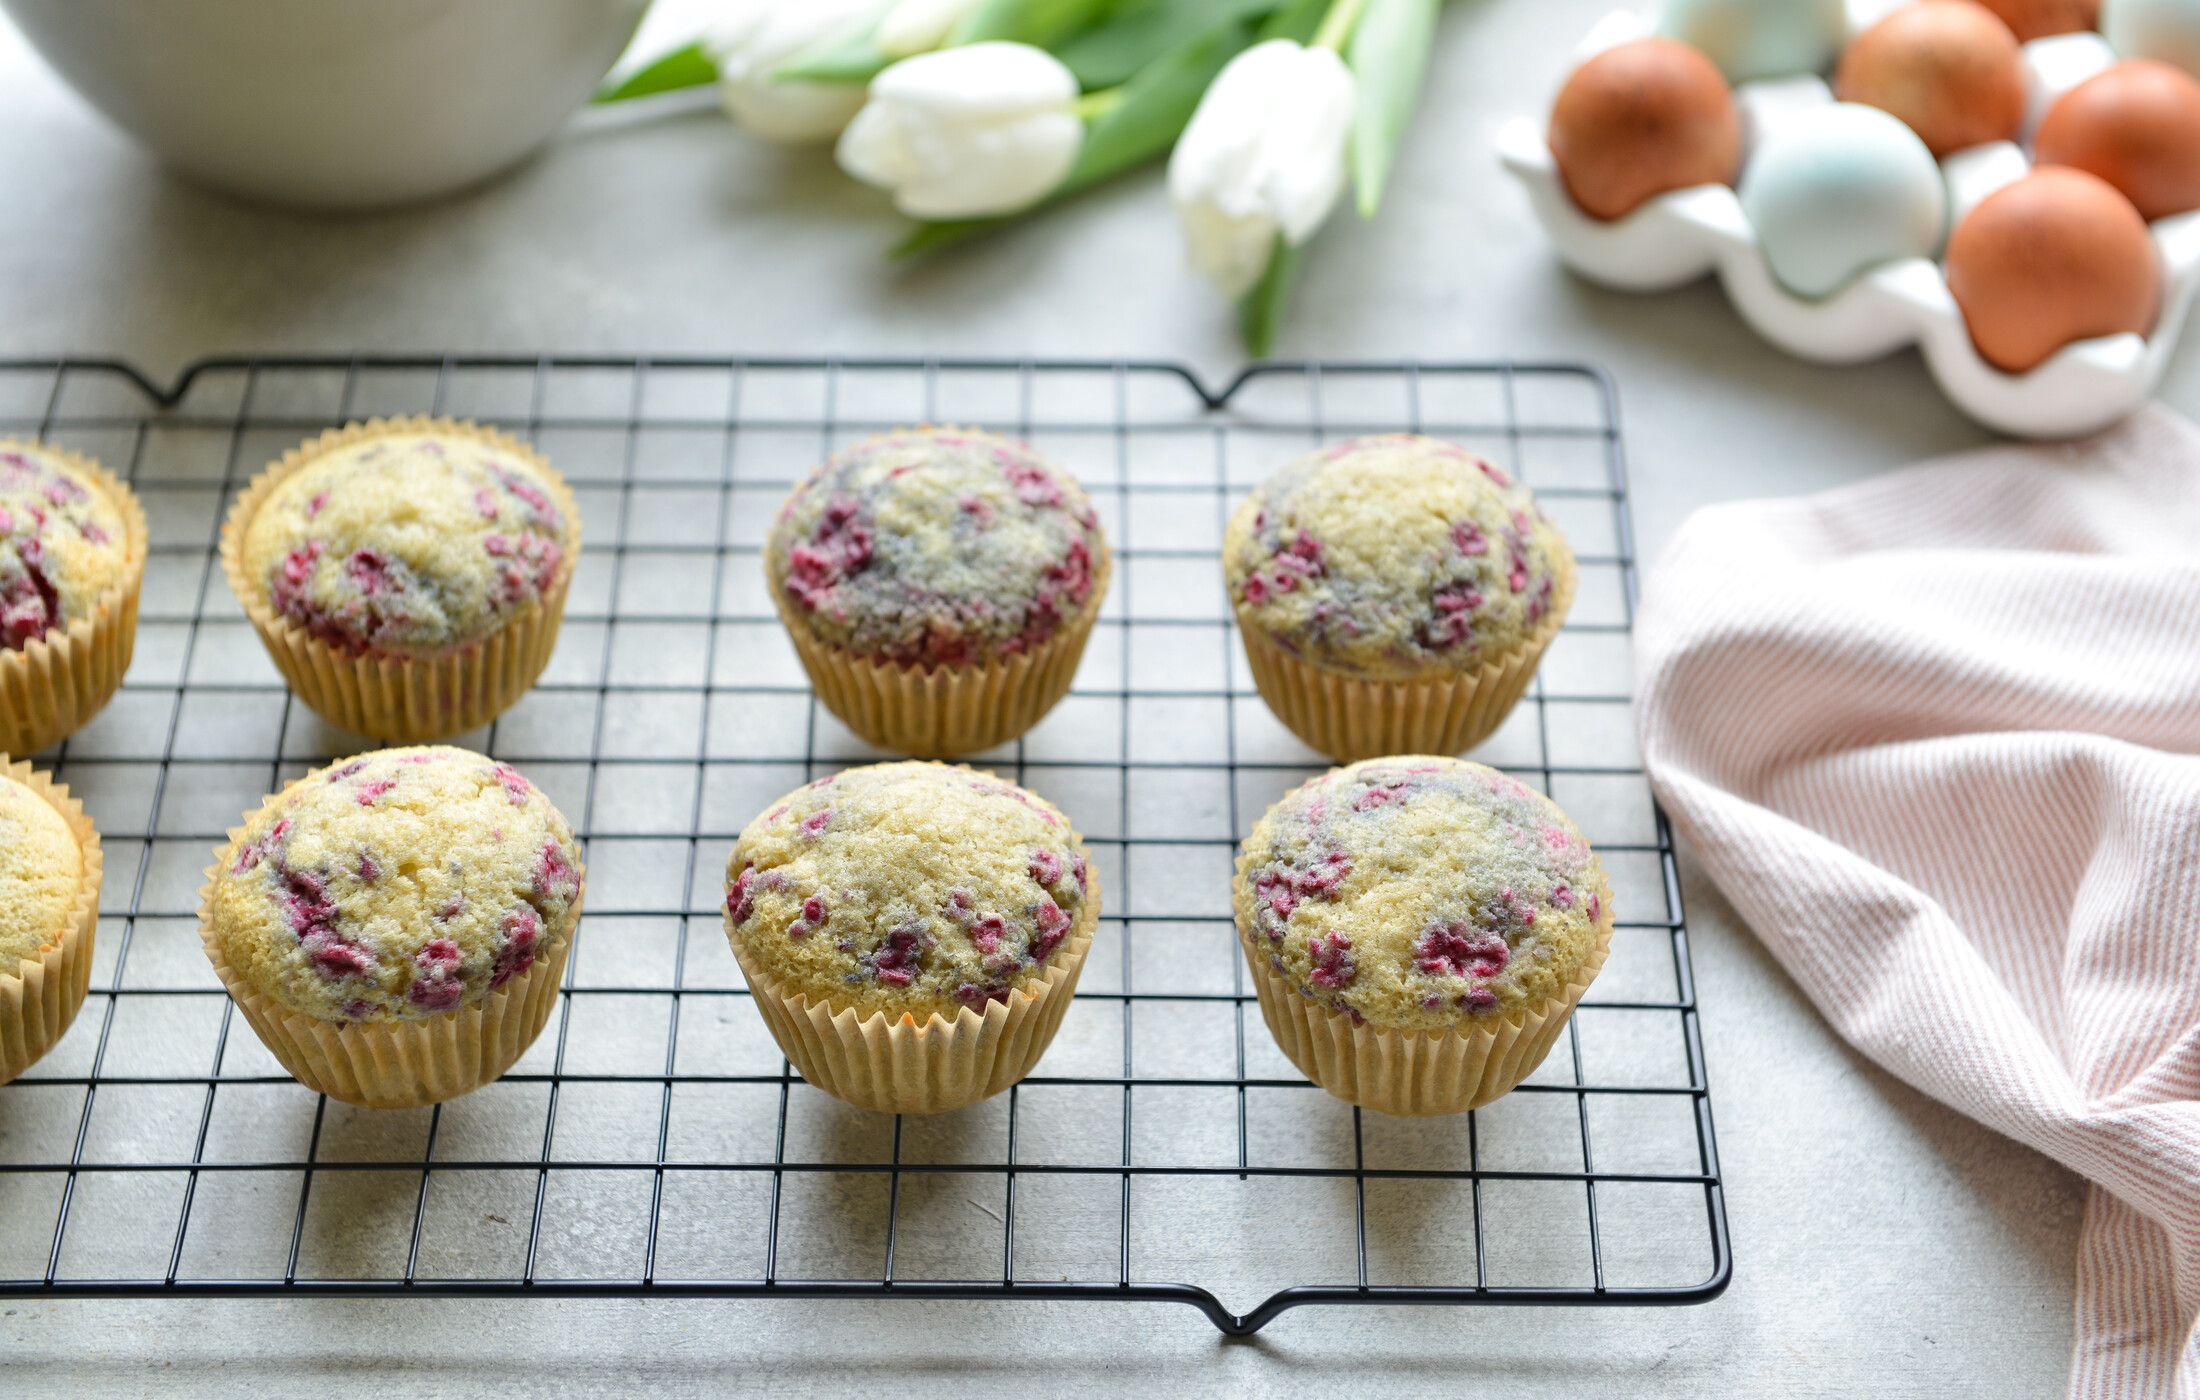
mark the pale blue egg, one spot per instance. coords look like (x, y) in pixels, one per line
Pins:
(2165, 29)
(1759, 38)
(1837, 189)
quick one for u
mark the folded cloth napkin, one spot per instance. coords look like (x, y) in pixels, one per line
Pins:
(1937, 738)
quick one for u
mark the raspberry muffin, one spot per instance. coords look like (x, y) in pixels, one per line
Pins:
(407, 575)
(939, 584)
(50, 867)
(394, 926)
(1419, 929)
(1394, 594)
(912, 932)
(72, 558)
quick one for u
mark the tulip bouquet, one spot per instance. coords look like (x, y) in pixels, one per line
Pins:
(974, 112)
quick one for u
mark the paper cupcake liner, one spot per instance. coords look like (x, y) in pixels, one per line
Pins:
(400, 1064)
(39, 997)
(1408, 1072)
(1350, 718)
(57, 682)
(404, 700)
(901, 1066)
(943, 711)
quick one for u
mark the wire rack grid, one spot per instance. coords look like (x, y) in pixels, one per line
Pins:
(654, 1141)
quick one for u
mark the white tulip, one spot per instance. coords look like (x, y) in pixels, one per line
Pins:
(919, 26)
(1264, 154)
(755, 39)
(967, 132)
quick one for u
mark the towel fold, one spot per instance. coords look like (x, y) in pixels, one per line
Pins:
(1937, 738)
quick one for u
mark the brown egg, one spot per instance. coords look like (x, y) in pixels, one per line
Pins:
(2137, 126)
(1641, 119)
(1948, 68)
(2055, 257)
(2036, 19)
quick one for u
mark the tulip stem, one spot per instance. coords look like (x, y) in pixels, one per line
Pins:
(1336, 26)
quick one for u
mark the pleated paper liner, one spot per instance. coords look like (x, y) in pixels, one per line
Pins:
(56, 683)
(39, 997)
(900, 1066)
(400, 1064)
(1349, 718)
(943, 711)
(404, 700)
(1412, 1073)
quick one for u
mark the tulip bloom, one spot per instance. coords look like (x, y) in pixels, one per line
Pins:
(1263, 157)
(760, 35)
(967, 132)
(919, 26)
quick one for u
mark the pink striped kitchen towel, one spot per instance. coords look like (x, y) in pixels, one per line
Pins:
(1937, 738)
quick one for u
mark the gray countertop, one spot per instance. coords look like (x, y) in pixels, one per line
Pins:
(1882, 1243)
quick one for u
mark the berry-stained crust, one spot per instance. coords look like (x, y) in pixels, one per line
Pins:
(395, 886)
(410, 544)
(1393, 557)
(937, 547)
(41, 867)
(908, 888)
(1421, 893)
(62, 544)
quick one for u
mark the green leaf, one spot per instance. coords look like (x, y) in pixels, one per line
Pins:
(926, 238)
(1295, 20)
(855, 57)
(1261, 310)
(850, 56)
(1116, 50)
(1389, 57)
(1143, 122)
(688, 67)
(1045, 23)
(1156, 105)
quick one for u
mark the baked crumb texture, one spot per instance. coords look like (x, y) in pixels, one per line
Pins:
(410, 544)
(62, 544)
(41, 873)
(907, 888)
(1394, 557)
(1421, 893)
(394, 886)
(936, 547)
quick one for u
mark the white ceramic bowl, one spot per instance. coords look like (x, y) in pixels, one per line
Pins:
(335, 104)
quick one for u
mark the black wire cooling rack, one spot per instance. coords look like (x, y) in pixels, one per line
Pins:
(654, 1141)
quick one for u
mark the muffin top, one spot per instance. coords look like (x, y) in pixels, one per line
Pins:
(394, 885)
(907, 888)
(1421, 893)
(409, 543)
(62, 543)
(41, 866)
(937, 547)
(1390, 557)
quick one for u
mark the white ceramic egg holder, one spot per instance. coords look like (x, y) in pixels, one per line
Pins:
(1678, 236)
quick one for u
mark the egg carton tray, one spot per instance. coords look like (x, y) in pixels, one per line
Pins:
(654, 1141)
(1679, 236)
